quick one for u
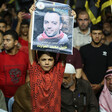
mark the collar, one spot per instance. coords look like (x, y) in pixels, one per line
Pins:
(79, 31)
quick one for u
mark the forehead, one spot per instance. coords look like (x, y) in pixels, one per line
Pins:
(109, 77)
(106, 25)
(83, 15)
(96, 31)
(45, 56)
(24, 25)
(51, 16)
(2, 24)
(7, 37)
(66, 75)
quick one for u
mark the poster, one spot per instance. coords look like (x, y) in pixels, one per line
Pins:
(52, 27)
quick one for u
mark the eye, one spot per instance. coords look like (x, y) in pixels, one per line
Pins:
(46, 22)
(50, 59)
(43, 59)
(55, 23)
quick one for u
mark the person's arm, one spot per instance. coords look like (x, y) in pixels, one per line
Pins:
(27, 76)
(32, 53)
(84, 76)
(78, 73)
(20, 18)
(92, 101)
(3, 7)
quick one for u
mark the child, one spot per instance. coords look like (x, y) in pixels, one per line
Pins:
(46, 77)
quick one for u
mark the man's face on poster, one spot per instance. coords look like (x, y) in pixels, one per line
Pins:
(52, 24)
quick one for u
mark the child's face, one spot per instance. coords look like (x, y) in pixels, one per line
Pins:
(46, 62)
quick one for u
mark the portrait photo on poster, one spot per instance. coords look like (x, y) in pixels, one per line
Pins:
(52, 27)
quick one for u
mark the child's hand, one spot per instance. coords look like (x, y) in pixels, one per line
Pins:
(73, 13)
(32, 8)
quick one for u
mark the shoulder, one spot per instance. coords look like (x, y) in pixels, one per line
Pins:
(21, 90)
(85, 47)
(85, 84)
(22, 53)
(76, 29)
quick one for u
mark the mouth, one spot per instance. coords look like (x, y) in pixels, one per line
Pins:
(5, 46)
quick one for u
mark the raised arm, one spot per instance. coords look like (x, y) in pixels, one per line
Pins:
(20, 18)
(32, 53)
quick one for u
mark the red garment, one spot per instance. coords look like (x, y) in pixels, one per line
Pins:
(13, 69)
(23, 42)
(43, 36)
(74, 59)
(24, 45)
(46, 88)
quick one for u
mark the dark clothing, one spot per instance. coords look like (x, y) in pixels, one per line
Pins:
(82, 99)
(22, 99)
(96, 61)
(75, 59)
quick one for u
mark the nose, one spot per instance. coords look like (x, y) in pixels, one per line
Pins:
(4, 42)
(47, 62)
(49, 25)
(97, 35)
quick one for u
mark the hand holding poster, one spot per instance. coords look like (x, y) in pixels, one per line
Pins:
(52, 27)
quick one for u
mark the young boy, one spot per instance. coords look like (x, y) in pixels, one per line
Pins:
(45, 79)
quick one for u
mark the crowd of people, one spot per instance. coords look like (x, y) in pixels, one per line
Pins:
(41, 81)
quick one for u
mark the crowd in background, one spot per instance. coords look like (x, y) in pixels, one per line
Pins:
(91, 59)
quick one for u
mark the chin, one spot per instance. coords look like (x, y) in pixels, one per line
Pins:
(46, 70)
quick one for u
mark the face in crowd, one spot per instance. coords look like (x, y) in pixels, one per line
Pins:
(107, 29)
(83, 21)
(24, 29)
(1, 38)
(3, 27)
(109, 82)
(9, 43)
(96, 36)
(46, 62)
(52, 24)
(68, 80)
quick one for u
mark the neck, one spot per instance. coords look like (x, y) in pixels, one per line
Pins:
(24, 37)
(96, 45)
(13, 51)
(72, 88)
(84, 32)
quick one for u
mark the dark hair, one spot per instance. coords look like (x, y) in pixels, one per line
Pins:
(82, 11)
(51, 54)
(3, 21)
(96, 27)
(56, 13)
(25, 22)
(13, 33)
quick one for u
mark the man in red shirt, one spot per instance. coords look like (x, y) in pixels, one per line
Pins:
(13, 65)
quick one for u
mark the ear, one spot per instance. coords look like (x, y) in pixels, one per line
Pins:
(16, 42)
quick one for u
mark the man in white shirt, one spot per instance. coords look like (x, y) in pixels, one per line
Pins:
(82, 32)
